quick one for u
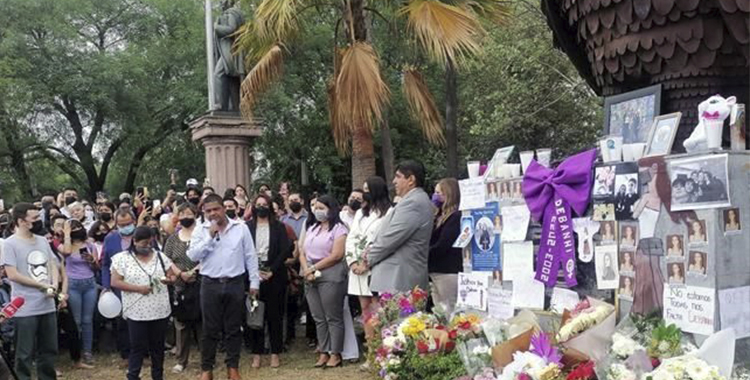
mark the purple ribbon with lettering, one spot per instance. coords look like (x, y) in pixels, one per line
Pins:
(550, 195)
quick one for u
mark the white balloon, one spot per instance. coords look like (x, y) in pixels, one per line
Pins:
(109, 305)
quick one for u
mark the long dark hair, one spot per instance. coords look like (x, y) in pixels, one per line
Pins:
(333, 211)
(269, 202)
(379, 200)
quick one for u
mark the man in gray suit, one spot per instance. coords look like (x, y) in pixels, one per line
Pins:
(398, 256)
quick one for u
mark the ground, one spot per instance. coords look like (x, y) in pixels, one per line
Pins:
(298, 363)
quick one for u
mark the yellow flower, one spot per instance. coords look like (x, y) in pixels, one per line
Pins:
(413, 326)
(552, 371)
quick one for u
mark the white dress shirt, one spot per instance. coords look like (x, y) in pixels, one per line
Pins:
(230, 254)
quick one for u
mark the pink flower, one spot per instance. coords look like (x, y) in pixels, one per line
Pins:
(523, 376)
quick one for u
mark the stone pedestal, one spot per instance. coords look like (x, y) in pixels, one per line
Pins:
(227, 138)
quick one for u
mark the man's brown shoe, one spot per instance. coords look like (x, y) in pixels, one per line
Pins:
(234, 374)
(207, 375)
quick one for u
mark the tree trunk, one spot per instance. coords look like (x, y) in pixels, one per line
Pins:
(17, 158)
(451, 118)
(387, 151)
(363, 157)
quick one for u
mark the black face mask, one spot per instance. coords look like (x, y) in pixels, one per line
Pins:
(231, 214)
(194, 201)
(37, 228)
(100, 237)
(69, 200)
(105, 217)
(295, 207)
(355, 204)
(78, 235)
(261, 212)
(187, 222)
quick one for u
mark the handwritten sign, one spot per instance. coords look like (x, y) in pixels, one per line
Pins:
(563, 299)
(516, 218)
(528, 293)
(518, 259)
(472, 193)
(500, 303)
(734, 307)
(691, 308)
(472, 290)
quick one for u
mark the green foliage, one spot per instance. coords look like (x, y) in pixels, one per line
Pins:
(430, 367)
(665, 341)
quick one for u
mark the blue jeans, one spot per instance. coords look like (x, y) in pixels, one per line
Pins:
(82, 304)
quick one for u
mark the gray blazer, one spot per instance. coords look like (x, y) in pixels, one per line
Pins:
(398, 255)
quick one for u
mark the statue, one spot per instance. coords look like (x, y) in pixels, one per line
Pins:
(707, 134)
(229, 69)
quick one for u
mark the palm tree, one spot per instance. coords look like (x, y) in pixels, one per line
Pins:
(447, 31)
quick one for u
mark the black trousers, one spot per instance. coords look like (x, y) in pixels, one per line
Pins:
(272, 294)
(123, 337)
(66, 323)
(147, 337)
(292, 314)
(222, 305)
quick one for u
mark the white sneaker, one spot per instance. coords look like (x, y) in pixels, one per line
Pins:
(178, 368)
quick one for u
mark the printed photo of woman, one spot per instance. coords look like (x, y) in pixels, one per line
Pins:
(676, 275)
(697, 232)
(697, 263)
(675, 246)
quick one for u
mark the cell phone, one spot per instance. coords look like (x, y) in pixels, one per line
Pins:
(139, 191)
(2, 204)
(157, 203)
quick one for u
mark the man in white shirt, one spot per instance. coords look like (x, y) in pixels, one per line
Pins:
(225, 250)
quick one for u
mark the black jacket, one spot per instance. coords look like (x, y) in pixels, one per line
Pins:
(443, 257)
(279, 247)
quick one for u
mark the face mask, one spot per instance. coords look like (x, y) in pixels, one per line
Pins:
(187, 222)
(194, 201)
(105, 217)
(437, 200)
(231, 214)
(143, 251)
(69, 200)
(355, 204)
(321, 215)
(155, 231)
(295, 207)
(127, 230)
(78, 235)
(37, 228)
(367, 197)
(100, 237)
(261, 212)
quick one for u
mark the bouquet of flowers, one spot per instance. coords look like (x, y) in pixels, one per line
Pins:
(541, 362)
(688, 367)
(588, 329)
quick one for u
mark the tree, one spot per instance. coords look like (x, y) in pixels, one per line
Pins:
(108, 79)
(358, 94)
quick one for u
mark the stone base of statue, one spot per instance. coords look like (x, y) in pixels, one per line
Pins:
(227, 138)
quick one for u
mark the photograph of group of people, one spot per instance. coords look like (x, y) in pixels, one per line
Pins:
(699, 183)
(616, 191)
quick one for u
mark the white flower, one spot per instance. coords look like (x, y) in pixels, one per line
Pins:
(394, 362)
(663, 346)
(623, 346)
(620, 372)
(523, 362)
(389, 341)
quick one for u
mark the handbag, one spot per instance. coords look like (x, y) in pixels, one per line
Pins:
(255, 313)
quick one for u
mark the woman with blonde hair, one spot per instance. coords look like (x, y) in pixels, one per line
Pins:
(445, 262)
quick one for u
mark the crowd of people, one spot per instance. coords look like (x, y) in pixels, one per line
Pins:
(199, 264)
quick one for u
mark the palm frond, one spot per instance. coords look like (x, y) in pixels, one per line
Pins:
(446, 32)
(264, 73)
(497, 11)
(341, 133)
(361, 93)
(422, 106)
(276, 19)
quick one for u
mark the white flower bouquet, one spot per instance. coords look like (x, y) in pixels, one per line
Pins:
(688, 367)
(588, 330)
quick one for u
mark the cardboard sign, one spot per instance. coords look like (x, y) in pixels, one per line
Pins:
(472, 193)
(691, 308)
(734, 308)
(500, 302)
(472, 290)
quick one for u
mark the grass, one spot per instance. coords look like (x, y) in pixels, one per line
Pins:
(297, 363)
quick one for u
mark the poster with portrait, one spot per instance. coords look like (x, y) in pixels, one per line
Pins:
(485, 244)
(607, 273)
(699, 182)
(616, 191)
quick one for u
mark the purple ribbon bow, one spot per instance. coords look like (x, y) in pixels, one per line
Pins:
(550, 194)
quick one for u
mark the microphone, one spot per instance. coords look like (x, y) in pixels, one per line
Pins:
(216, 234)
(10, 309)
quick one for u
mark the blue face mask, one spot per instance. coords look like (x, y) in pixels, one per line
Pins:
(127, 230)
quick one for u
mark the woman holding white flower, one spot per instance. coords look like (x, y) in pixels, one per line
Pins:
(142, 274)
(364, 228)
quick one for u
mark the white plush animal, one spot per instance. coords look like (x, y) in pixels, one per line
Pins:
(711, 111)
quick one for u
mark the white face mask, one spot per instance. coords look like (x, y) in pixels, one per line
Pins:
(321, 215)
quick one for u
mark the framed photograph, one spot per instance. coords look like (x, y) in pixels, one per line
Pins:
(662, 134)
(697, 263)
(699, 183)
(631, 115)
(732, 221)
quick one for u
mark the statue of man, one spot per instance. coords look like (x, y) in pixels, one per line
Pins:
(229, 69)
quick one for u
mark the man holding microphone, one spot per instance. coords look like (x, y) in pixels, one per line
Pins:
(226, 252)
